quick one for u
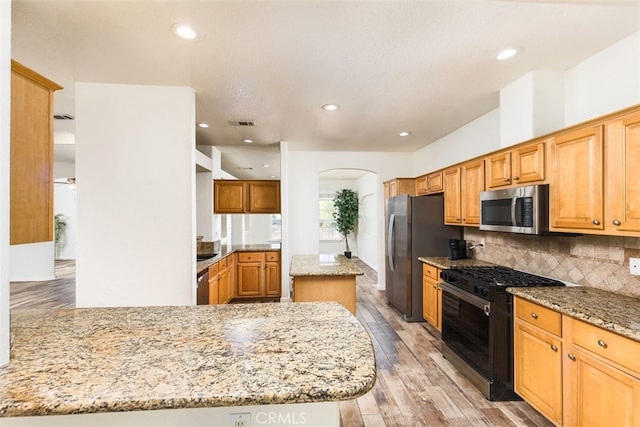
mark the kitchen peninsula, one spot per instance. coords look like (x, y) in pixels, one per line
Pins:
(180, 365)
(325, 277)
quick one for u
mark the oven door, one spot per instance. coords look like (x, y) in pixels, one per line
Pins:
(466, 327)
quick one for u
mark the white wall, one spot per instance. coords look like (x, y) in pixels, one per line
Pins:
(135, 158)
(608, 81)
(473, 139)
(368, 230)
(5, 138)
(303, 193)
(65, 204)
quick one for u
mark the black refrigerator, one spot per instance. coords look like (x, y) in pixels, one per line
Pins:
(414, 228)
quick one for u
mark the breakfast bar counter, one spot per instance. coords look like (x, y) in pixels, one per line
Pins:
(103, 360)
(325, 278)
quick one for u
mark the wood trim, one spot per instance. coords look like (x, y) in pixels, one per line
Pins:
(35, 77)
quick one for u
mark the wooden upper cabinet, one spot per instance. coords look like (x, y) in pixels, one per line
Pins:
(264, 196)
(429, 183)
(421, 185)
(398, 186)
(452, 201)
(518, 166)
(622, 179)
(576, 199)
(246, 196)
(229, 196)
(472, 184)
(31, 176)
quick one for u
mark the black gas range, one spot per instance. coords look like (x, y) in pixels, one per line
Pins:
(477, 324)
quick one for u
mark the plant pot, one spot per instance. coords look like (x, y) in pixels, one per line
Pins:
(347, 254)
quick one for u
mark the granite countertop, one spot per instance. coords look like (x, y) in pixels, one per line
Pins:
(91, 360)
(323, 265)
(229, 249)
(614, 312)
(444, 262)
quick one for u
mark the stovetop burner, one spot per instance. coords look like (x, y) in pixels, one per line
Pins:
(486, 281)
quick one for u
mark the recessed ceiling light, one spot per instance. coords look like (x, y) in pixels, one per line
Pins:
(404, 133)
(266, 166)
(330, 107)
(247, 141)
(185, 32)
(506, 54)
(203, 125)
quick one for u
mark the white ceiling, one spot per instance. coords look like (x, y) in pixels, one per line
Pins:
(423, 66)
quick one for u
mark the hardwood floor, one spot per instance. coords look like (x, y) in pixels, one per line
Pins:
(416, 386)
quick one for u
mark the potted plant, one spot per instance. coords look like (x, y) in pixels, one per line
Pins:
(60, 226)
(346, 214)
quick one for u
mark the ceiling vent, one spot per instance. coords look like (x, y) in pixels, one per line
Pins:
(244, 168)
(63, 117)
(241, 123)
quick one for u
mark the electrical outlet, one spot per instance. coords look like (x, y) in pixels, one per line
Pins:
(483, 245)
(241, 420)
(634, 266)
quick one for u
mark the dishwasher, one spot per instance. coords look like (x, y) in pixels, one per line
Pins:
(202, 286)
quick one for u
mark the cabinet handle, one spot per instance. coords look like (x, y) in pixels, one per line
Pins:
(595, 222)
(515, 178)
(554, 348)
(534, 315)
(571, 357)
(602, 344)
(616, 222)
(506, 179)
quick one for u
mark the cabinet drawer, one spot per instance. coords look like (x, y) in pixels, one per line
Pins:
(272, 256)
(250, 256)
(614, 347)
(222, 264)
(430, 271)
(213, 269)
(542, 317)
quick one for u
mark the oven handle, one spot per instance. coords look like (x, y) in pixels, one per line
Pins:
(467, 297)
(514, 203)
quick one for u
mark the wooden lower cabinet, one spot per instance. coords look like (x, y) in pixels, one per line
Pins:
(258, 275)
(214, 284)
(431, 296)
(575, 373)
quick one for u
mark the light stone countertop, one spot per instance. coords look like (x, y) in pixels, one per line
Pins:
(444, 262)
(614, 312)
(90, 360)
(323, 265)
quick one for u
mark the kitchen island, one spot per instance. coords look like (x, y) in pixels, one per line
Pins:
(184, 365)
(325, 278)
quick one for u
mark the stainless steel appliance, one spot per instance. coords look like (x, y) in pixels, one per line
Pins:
(477, 324)
(414, 228)
(516, 210)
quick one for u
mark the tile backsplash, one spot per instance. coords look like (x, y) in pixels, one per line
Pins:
(596, 261)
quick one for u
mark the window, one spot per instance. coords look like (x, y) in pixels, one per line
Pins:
(275, 234)
(328, 229)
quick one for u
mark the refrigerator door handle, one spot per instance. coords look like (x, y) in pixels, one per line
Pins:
(390, 246)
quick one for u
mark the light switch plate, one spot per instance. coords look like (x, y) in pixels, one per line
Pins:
(634, 266)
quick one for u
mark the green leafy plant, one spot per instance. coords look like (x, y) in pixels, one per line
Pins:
(346, 214)
(60, 227)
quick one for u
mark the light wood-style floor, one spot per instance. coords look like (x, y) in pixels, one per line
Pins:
(416, 386)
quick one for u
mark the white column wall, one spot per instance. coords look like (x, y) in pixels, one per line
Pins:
(5, 143)
(135, 157)
(370, 198)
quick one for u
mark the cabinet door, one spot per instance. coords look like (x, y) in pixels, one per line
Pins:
(272, 279)
(430, 301)
(577, 180)
(499, 170)
(228, 197)
(264, 197)
(250, 279)
(223, 286)
(393, 188)
(421, 185)
(601, 395)
(538, 370)
(213, 289)
(528, 164)
(452, 205)
(472, 184)
(622, 142)
(434, 182)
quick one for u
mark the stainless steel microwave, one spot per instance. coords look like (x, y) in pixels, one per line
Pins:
(516, 210)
